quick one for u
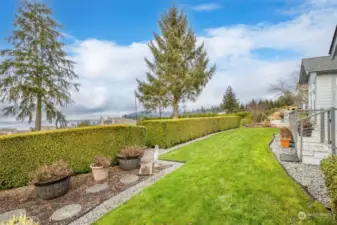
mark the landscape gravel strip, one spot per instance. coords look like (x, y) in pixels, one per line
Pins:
(310, 177)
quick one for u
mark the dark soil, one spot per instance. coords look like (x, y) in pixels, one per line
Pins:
(26, 197)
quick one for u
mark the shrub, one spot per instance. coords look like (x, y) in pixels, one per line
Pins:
(242, 114)
(329, 168)
(84, 123)
(48, 173)
(21, 154)
(167, 133)
(258, 112)
(131, 152)
(101, 161)
(246, 122)
(285, 133)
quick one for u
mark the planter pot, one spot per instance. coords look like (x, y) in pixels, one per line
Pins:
(284, 142)
(306, 132)
(128, 163)
(53, 189)
(100, 172)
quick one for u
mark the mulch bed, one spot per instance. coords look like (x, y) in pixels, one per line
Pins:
(26, 197)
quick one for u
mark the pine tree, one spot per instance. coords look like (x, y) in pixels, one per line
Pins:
(152, 95)
(180, 69)
(229, 101)
(36, 76)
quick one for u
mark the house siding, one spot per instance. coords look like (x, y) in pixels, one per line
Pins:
(324, 91)
(312, 90)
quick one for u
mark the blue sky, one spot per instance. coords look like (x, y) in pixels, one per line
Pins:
(132, 20)
(253, 43)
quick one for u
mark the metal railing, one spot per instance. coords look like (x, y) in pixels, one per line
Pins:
(311, 127)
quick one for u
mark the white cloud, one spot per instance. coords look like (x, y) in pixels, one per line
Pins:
(108, 71)
(206, 7)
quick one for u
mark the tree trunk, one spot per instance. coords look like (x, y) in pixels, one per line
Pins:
(175, 107)
(38, 115)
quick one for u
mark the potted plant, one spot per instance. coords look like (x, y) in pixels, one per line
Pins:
(285, 137)
(100, 167)
(307, 128)
(52, 181)
(129, 157)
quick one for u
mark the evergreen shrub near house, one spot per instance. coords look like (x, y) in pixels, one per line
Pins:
(243, 114)
(167, 133)
(329, 168)
(21, 154)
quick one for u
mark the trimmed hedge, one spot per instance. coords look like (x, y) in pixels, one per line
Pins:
(329, 168)
(20, 154)
(167, 133)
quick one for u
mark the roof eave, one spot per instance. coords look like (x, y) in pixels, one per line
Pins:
(324, 71)
(303, 75)
(333, 41)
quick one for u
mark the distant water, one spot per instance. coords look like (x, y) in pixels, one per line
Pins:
(18, 125)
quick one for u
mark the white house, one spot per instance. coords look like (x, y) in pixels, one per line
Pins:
(318, 82)
(319, 74)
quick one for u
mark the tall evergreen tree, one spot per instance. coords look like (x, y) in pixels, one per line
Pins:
(229, 101)
(180, 68)
(36, 75)
(152, 95)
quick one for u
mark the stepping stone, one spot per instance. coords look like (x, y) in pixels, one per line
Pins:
(289, 157)
(97, 188)
(4, 217)
(66, 212)
(129, 179)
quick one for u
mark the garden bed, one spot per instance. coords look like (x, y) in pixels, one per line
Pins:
(42, 210)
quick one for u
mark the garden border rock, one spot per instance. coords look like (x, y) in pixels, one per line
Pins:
(295, 170)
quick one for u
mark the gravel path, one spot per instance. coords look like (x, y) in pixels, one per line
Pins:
(309, 176)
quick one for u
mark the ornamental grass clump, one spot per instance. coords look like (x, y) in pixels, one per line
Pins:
(53, 172)
(100, 167)
(131, 152)
(101, 161)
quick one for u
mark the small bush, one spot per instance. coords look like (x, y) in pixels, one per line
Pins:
(131, 152)
(21, 154)
(48, 173)
(167, 133)
(84, 123)
(329, 168)
(243, 114)
(285, 133)
(101, 161)
(246, 122)
(258, 112)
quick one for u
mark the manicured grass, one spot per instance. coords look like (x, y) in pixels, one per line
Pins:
(230, 178)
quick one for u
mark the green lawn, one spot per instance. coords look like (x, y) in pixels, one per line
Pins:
(230, 178)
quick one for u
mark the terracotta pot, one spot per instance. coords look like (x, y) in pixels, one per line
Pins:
(53, 189)
(100, 172)
(285, 142)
